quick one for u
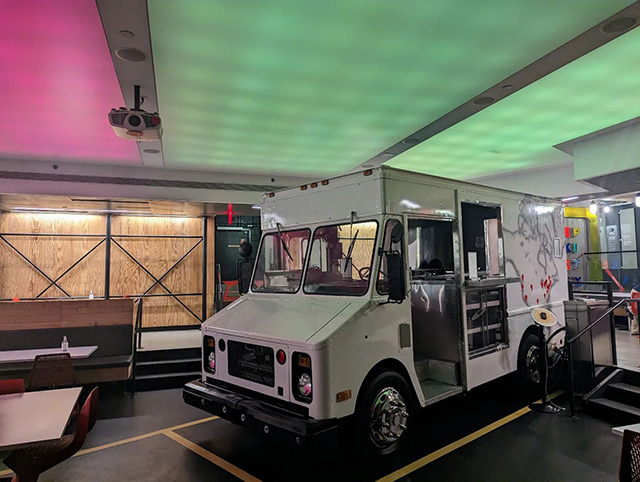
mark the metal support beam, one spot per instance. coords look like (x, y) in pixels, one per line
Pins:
(204, 268)
(107, 259)
(34, 266)
(155, 279)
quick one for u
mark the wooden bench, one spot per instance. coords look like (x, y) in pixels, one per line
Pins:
(108, 324)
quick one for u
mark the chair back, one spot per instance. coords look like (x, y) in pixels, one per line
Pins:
(84, 420)
(11, 386)
(52, 371)
(630, 457)
(93, 410)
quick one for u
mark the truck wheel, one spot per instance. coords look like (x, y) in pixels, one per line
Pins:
(383, 414)
(529, 363)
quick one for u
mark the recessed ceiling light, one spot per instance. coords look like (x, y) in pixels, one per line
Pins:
(620, 25)
(484, 101)
(132, 55)
(151, 151)
(507, 87)
(126, 33)
(411, 140)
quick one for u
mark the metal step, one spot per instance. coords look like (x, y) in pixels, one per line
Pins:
(161, 355)
(613, 411)
(439, 370)
(435, 391)
(157, 367)
(624, 393)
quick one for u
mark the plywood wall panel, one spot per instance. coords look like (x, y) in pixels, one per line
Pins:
(53, 255)
(157, 255)
(56, 254)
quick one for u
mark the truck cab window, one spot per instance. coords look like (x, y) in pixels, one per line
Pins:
(340, 259)
(388, 244)
(280, 262)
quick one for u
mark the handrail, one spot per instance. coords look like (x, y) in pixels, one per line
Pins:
(569, 343)
(589, 327)
(137, 343)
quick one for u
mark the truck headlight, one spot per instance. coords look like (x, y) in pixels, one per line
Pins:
(209, 354)
(304, 385)
(302, 389)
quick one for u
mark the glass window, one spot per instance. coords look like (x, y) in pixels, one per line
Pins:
(340, 259)
(388, 245)
(280, 262)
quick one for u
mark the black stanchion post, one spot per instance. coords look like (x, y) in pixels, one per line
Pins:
(544, 406)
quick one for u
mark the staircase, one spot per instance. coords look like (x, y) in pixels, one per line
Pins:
(616, 399)
(161, 369)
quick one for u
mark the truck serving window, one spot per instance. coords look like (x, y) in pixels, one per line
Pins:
(340, 259)
(280, 262)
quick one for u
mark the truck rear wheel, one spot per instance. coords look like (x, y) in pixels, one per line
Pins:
(529, 363)
(384, 413)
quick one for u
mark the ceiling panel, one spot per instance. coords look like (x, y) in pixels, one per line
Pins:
(594, 92)
(58, 84)
(318, 87)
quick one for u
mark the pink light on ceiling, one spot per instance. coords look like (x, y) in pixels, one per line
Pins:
(58, 83)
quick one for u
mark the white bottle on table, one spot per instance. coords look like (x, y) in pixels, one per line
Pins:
(65, 344)
(91, 294)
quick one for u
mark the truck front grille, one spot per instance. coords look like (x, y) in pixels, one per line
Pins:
(251, 362)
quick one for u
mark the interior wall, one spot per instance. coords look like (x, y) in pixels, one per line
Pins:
(55, 254)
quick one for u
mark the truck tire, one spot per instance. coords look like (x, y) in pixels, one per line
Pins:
(384, 413)
(529, 363)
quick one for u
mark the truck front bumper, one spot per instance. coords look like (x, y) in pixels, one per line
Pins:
(245, 410)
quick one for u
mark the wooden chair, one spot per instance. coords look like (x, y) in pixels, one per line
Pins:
(11, 386)
(52, 371)
(29, 463)
(630, 457)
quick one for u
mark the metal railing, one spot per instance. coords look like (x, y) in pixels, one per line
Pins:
(607, 314)
(137, 344)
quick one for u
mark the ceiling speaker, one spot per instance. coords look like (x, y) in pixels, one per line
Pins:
(544, 317)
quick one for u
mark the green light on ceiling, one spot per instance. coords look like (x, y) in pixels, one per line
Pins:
(596, 91)
(316, 88)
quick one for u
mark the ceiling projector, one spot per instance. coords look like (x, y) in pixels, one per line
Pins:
(136, 124)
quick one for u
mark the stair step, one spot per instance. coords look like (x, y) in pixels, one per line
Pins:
(624, 393)
(613, 411)
(164, 381)
(162, 355)
(157, 367)
(168, 375)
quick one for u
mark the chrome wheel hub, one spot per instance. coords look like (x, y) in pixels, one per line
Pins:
(388, 417)
(533, 364)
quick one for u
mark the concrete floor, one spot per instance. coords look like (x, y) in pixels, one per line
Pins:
(155, 436)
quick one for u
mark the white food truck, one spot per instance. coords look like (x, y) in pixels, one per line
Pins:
(377, 293)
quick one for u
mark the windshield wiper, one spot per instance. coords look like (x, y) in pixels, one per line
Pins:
(284, 245)
(353, 242)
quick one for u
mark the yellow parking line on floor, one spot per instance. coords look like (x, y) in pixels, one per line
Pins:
(210, 456)
(412, 467)
(143, 436)
(132, 439)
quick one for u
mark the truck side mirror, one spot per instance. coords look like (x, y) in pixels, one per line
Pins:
(395, 273)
